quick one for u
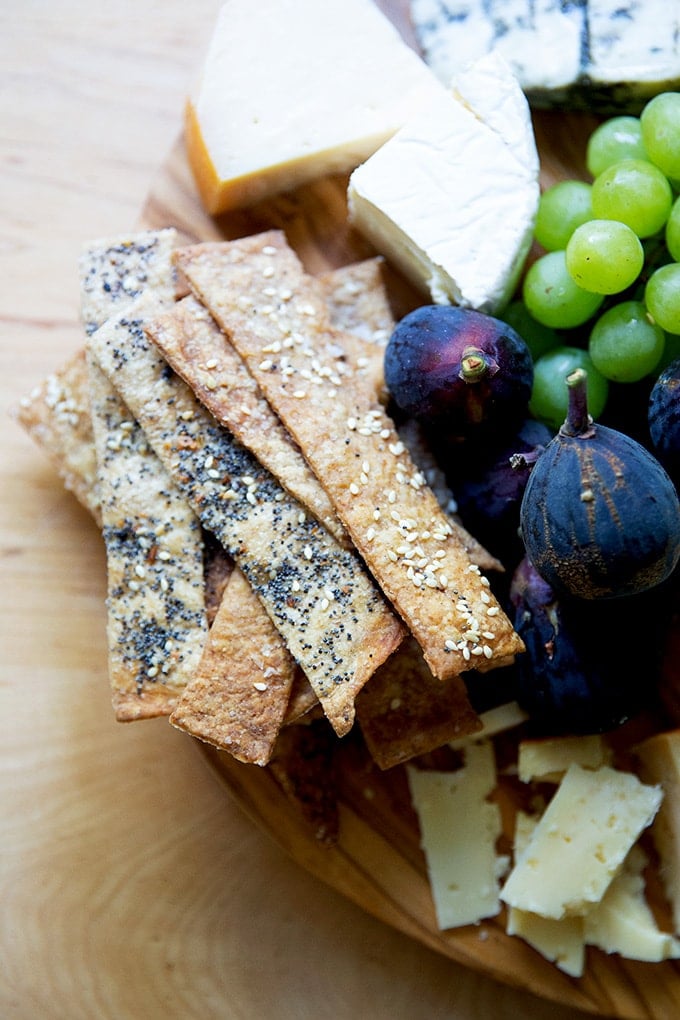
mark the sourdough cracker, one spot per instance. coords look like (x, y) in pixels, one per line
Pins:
(156, 620)
(352, 445)
(56, 415)
(303, 765)
(192, 342)
(330, 613)
(404, 711)
(116, 270)
(357, 300)
(240, 689)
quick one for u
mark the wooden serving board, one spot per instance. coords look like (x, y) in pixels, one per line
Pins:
(377, 862)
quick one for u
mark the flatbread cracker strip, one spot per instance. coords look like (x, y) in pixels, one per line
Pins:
(357, 300)
(352, 445)
(237, 697)
(303, 765)
(326, 607)
(56, 415)
(156, 619)
(192, 342)
(404, 711)
(411, 436)
(115, 270)
(156, 622)
(217, 568)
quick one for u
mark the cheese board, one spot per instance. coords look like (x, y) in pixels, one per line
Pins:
(377, 861)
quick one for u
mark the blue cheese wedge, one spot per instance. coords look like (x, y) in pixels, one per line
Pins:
(451, 199)
(594, 54)
(581, 841)
(459, 830)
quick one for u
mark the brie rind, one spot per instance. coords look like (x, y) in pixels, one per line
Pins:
(451, 199)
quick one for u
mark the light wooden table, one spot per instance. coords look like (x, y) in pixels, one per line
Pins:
(131, 886)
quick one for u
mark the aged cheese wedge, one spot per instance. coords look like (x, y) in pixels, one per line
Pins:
(309, 375)
(581, 841)
(451, 199)
(459, 831)
(329, 612)
(309, 89)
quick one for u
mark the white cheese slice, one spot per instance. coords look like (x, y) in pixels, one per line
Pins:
(547, 760)
(451, 199)
(494, 720)
(660, 757)
(623, 922)
(580, 843)
(459, 830)
(560, 940)
(291, 90)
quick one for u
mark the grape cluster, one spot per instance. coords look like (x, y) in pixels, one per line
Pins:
(604, 294)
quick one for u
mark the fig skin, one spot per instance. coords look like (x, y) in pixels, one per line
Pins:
(458, 369)
(664, 419)
(575, 677)
(488, 482)
(600, 517)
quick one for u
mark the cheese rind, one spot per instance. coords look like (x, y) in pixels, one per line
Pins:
(451, 199)
(580, 843)
(305, 90)
(596, 54)
(459, 829)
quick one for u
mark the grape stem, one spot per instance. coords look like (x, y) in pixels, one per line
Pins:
(578, 422)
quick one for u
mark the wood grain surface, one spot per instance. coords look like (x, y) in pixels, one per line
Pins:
(132, 885)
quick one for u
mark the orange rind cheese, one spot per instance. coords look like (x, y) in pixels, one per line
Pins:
(305, 91)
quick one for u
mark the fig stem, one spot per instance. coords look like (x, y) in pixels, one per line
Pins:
(474, 365)
(578, 422)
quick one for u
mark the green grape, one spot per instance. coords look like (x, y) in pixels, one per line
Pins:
(538, 338)
(636, 193)
(624, 345)
(553, 297)
(673, 231)
(615, 139)
(660, 121)
(604, 256)
(561, 209)
(662, 297)
(550, 393)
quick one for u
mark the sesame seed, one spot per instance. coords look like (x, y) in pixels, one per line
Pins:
(259, 686)
(324, 603)
(492, 611)
(211, 363)
(140, 571)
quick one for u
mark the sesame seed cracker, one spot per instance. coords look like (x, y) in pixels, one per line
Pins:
(440, 599)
